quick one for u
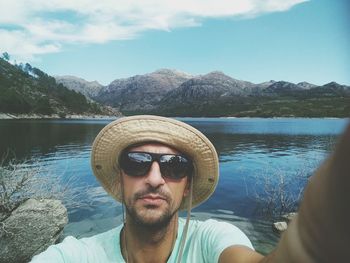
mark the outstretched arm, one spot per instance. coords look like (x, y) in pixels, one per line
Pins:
(320, 232)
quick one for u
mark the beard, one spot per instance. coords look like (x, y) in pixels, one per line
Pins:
(151, 216)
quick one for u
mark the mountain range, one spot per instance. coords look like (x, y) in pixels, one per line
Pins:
(174, 93)
(25, 89)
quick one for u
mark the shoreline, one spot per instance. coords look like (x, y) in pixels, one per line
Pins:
(9, 116)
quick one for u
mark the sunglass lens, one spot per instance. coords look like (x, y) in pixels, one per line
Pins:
(136, 164)
(175, 166)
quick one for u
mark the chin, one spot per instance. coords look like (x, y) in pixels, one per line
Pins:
(152, 217)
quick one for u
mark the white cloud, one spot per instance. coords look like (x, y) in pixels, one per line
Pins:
(32, 27)
(24, 46)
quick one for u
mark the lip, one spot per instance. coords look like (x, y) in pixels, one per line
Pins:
(152, 199)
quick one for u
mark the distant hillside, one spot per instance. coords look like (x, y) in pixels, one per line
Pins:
(273, 99)
(28, 90)
(88, 88)
(170, 93)
(141, 92)
(203, 89)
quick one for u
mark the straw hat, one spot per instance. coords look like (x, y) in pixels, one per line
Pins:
(127, 131)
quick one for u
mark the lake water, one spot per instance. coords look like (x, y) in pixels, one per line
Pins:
(253, 152)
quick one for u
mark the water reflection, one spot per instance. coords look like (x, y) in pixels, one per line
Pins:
(35, 138)
(268, 126)
(230, 145)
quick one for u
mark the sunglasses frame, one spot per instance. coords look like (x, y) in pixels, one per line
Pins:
(156, 157)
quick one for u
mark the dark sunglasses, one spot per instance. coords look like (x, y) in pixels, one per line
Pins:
(172, 166)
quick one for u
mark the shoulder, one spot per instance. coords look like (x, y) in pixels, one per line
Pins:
(206, 240)
(101, 238)
(219, 231)
(212, 225)
(72, 249)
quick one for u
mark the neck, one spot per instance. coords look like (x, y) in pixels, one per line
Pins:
(142, 243)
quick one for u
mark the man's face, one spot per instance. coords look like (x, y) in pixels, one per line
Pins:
(152, 200)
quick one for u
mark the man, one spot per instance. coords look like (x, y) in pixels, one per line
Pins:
(157, 166)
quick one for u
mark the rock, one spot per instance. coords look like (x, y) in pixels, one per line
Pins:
(289, 216)
(30, 229)
(280, 226)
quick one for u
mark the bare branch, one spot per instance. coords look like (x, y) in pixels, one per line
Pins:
(20, 181)
(278, 192)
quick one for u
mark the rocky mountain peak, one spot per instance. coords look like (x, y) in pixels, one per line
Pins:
(87, 88)
(171, 72)
(283, 86)
(336, 86)
(142, 92)
(215, 75)
(306, 85)
(266, 83)
(333, 83)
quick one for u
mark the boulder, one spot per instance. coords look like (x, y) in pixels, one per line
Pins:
(289, 216)
(30, 229)
(280, 226)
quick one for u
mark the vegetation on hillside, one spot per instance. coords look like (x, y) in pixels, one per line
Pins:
(264, 107)
(26, 89)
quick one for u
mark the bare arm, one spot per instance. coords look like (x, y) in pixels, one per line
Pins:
(320, 232)
(239, 254)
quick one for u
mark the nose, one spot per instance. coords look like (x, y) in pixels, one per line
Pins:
(154, 177)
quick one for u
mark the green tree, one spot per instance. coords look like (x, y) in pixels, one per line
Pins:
(13, 102)
(6, 56)
(43, 106)
(27, 68)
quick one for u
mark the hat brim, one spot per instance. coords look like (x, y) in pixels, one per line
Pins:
(122, 133)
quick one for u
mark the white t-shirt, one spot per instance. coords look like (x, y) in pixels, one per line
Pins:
(204, 243)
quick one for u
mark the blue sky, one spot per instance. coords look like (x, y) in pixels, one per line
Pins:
(292, 40)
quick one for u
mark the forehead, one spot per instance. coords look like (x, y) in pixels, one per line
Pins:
(154, 147)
